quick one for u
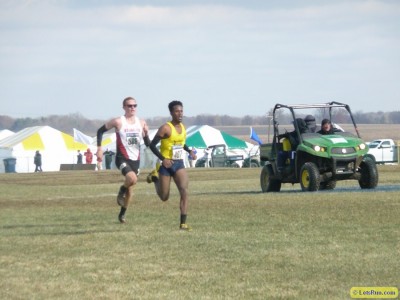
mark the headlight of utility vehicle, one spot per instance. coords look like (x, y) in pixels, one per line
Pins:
(319, 149)
(361, 147)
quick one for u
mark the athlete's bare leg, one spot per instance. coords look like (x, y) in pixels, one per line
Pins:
(130, 180)
(182, 183)
(125, 194)
(163, 185)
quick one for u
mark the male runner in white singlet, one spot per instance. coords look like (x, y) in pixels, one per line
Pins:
(130, 131)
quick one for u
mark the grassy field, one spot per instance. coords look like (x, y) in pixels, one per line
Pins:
(60, 238)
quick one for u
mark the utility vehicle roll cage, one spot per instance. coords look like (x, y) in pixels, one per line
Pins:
(329, 106)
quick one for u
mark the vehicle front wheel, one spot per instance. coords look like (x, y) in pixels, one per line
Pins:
(371, 157)
(369, 174)
(267, 183)
(309, 177)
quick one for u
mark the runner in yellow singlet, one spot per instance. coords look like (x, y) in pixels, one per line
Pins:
(171, 154)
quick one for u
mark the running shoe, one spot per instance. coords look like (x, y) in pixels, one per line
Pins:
(185, 227)
(121, 219)
(153, 176)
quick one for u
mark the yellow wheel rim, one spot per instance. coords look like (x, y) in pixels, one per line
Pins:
(305, 179)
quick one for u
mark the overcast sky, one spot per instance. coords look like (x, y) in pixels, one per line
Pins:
(218, 57)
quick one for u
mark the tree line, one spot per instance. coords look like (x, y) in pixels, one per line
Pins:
(66, 123)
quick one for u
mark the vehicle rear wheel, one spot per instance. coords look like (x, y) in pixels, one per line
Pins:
(267, 183)
(309, 177)
(369, 174)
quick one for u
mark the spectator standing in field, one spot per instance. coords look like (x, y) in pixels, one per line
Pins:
(108, 157)
(79, 158)
(130, 131)
(88, 156)
(171, 154)
(190, 158)
(38, 161)
(207, 154)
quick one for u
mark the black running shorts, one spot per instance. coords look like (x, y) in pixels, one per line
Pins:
(127, 165)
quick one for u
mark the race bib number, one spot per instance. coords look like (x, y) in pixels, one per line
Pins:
(132, 139)
(177, 152)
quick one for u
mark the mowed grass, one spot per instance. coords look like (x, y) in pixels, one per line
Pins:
(60, 238)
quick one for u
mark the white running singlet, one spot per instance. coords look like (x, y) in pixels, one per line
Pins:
(129, 138)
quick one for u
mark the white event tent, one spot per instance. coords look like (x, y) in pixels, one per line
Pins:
(5, 133)
(55, 146)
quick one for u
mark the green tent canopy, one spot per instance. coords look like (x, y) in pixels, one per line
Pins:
(204, 136)
(196, 140)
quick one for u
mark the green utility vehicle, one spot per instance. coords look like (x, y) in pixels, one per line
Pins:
(314, 160)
